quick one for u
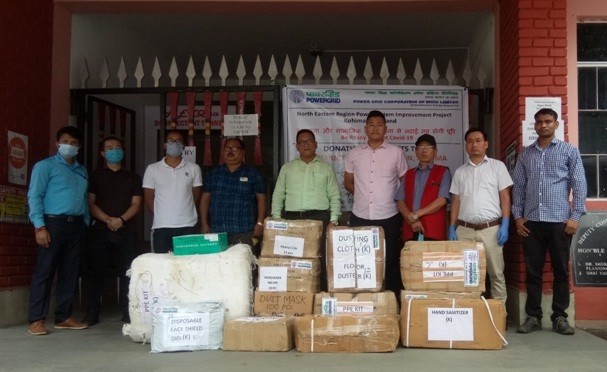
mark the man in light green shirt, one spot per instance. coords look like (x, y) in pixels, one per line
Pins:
(307, 189)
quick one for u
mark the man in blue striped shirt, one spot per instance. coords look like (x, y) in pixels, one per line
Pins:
(546, 173)
(57, 200)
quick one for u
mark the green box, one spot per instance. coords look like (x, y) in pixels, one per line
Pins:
(200, 244)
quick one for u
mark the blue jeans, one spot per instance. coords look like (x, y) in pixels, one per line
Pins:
(162, 238)
(62, 255)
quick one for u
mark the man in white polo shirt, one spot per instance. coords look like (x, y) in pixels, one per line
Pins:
(171, 191)
(480, 206)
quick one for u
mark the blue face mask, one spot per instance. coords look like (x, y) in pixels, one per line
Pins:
(174, 149)
(67, 151)
(114, 156)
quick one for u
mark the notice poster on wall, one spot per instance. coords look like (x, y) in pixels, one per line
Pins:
(337, 116)
(17, 158)
(13, 205)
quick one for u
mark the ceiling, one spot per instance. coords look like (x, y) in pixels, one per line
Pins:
(391, 35)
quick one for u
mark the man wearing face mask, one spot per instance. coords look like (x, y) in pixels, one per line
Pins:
(115, 198)
(171, 192)
(59, 213)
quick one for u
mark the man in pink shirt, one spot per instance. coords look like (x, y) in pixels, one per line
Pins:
(373, 174)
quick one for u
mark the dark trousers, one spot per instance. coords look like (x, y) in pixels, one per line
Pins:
(550, 237)
(323, 216)
(107, 250)
(392, 229)
(62, 256)
(162, 238)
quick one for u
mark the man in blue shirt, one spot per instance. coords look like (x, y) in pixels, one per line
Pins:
(57, 200)
(545, 174)
(234, 194)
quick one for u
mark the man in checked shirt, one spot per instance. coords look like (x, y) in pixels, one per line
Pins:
(545, 174)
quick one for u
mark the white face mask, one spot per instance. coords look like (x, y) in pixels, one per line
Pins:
(68, 151)
(174, 149)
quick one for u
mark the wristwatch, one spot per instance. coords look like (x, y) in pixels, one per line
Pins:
(415, 216)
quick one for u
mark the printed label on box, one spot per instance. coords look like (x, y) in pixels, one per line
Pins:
(365, 259)
(212, 237)
(273, 279)
(328, 306)
(471, 268)
(344, 259)
(288, 246)
(375, 238)
(257, 319)
(442, 267)
(277, 225)
(354, 259)
(183, 329)
(354, 307)
(450, 324)
(303, 265)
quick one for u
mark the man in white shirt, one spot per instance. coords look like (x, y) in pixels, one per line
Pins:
(171, 191)
(480, 207)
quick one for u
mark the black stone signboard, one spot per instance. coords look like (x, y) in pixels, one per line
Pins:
(589, 251)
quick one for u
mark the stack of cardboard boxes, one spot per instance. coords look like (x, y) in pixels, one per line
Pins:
(355, 315)
(441, 303)
(289, 277)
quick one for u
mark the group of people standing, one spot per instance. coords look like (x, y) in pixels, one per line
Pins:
(408, 203)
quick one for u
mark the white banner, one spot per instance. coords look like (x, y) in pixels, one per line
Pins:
(337, 115)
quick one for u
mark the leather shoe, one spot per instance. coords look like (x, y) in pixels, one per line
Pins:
(70, 323)
(37, 328)
(90, 320)
(531, 324)
(561, 325)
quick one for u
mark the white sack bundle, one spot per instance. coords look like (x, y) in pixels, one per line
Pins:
(158, 279)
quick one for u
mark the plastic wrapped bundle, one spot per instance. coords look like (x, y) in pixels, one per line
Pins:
(158, 279)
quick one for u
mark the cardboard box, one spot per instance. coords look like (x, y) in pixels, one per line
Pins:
(355, 259)
(283, 303)
(258, 334)
(450, 266)
(453, 324)
(200, 244)
(406, 295)
(339, 303)
(187, 327)
(291, 238)
(283, 274)
(345, 333)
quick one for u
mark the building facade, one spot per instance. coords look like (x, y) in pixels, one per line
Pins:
(535, 52)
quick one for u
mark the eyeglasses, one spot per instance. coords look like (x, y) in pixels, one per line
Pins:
(424, 147)
(231, 148)
(305, 142)
(171, 140)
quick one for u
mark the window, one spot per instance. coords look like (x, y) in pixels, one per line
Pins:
(592, 99)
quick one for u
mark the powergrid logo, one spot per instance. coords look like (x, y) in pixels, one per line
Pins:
(323, 97)
(296, 96)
